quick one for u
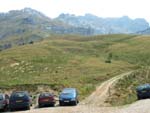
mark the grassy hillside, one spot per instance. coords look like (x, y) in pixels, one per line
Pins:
(72, 61)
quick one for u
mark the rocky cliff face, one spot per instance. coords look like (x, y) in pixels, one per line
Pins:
(25, 22)
(26, 25)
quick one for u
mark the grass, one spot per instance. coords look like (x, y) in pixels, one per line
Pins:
(72, 61)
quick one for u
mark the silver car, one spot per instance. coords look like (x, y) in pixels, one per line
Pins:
(4, 102)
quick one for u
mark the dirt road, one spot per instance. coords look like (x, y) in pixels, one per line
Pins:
(95, 103)
(98, 97)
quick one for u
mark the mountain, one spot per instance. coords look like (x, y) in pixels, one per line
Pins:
(144, 32)
(19, 27)
(105, 25)
(28, 24)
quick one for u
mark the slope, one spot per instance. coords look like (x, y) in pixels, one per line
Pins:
(62, 61)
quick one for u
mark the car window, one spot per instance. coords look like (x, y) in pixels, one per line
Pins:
(1, 97)
(45, 94)
(68, 91)
(19, 95)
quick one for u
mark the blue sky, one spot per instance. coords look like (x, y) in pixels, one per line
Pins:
(101, 8)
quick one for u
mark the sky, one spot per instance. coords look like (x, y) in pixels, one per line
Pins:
(102, 8)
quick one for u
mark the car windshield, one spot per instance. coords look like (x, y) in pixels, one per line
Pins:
(1, 97)
(45, 95)
(145, 87)
(68, 92)
(19, 95)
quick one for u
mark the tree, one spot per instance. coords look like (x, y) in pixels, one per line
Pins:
(31, 42)
(109, 58)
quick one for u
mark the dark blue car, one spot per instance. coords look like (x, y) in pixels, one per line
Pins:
(68, 96)
(143, 91)
(20, 100)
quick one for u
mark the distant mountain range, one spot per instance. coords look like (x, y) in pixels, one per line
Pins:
(105, 25)
(19, 27)
(31, 24)
(144, 32)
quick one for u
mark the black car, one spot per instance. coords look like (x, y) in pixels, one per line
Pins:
(46, 99)
(20, 100)
(68, 96)
(143, 91)
(4, 102)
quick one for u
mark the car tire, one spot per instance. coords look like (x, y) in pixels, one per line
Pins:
(4, 109)
(61, 103)
(139, 98)
(75, 103)
(40, 106)
(28, 108)
(12, 110)
(53, 105)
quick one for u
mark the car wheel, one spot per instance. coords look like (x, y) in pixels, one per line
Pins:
(139, 98)
(28, 108)
(12, 109)
(53, 105)
(40, 106)
(4, 109)
(75, 103)
(61, 103)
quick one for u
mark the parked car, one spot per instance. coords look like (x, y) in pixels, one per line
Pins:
(20, 100)
(4, 102)
(68, 96)
(143, 91)
(46, 99)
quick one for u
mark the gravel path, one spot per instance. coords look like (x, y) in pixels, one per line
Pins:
(98, 97)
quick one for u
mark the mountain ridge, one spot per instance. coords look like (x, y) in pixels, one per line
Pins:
(22, 26)
(18, 27)
(105, 25)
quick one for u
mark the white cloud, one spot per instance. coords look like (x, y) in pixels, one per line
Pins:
(102, 8)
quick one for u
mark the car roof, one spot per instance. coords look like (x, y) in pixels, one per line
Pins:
(1, 94)
(143, 86)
